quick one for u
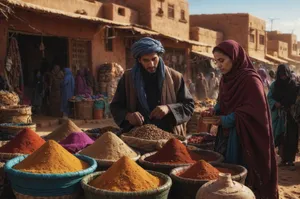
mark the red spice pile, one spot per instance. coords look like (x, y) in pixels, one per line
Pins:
(173, 152)
(201, 171)
(26, 142)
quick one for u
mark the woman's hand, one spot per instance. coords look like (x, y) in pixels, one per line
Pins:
(218, 122)
(208, 113)
(277, 105)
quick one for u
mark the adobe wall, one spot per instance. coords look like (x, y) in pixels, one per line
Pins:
(170, 26)
(231, 24)
(51, 25)
(142, 8)
(288, 38)
(228, 24)
(100, 55)
(281, 48)
(298, 46)
(257, 27)
(125, 15)
(207, 36)
(93, 9)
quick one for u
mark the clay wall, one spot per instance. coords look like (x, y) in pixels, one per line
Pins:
(121, 14)
(277, 48)
(206, 36)
(290, 39)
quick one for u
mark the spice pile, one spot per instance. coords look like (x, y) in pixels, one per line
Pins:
(51, 158)
(151, 132)
(109, 147)
(201, 105)
(76, 142)
(201, 171)
(174, 152)
(63, 131)
(26, 142)
(126, 176)
(204, 171)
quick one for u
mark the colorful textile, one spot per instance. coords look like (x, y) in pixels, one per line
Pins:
(67, 90)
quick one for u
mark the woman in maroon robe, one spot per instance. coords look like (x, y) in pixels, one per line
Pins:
(243, 103)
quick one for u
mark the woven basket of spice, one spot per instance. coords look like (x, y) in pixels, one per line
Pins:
(25, 142)
(108, 149)
(49, 172)
(188, 180)
(174, 154)
(127, 180)
(148, 138)
(15, 128)
(16, 114)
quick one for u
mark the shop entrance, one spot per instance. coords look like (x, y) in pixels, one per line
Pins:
(37, 53)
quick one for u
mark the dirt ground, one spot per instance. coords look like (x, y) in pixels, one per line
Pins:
(289, 181)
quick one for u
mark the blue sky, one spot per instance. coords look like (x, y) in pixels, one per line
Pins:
(287, 11)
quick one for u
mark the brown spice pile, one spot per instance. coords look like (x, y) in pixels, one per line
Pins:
(109, 147)
(201, 171)
(151, 132)
(63, 131)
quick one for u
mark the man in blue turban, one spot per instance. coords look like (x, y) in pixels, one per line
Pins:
(152, 93)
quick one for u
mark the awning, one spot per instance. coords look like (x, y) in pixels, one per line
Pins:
(205, 54)
(262, 60)
(137, 29)
(276, 59)
(290, 60)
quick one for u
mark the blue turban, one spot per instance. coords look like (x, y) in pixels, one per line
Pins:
(142, 47)
(146, 46)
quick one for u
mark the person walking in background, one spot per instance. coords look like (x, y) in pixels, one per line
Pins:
(272, 76)
(264, 77)
(282, 95)
(38, 92)
(201, 87)
(191, 86)
(90, 81)
(67, 91)
(213, 86)
(56, 77)
(81, 87)
(245, 129)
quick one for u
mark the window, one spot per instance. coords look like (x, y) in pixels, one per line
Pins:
(261, 39)
(294, 47)
(182, 15)
(109, 40)
(160, 11)
(252, 38)
(121, 11)
(171, 11)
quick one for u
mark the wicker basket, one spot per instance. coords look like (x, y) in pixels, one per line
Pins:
(146, 145)
(84, 110)
(167, 168)
(187, 188)
(158, 193)
(16, 128)
(210, 120)
(22, 196)
(206, 145)
(16, 114)
(32, 185)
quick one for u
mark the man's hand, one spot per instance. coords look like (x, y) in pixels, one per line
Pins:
(159, 112)
(135, 119)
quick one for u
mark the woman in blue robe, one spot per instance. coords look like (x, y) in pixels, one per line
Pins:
(67, 91)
